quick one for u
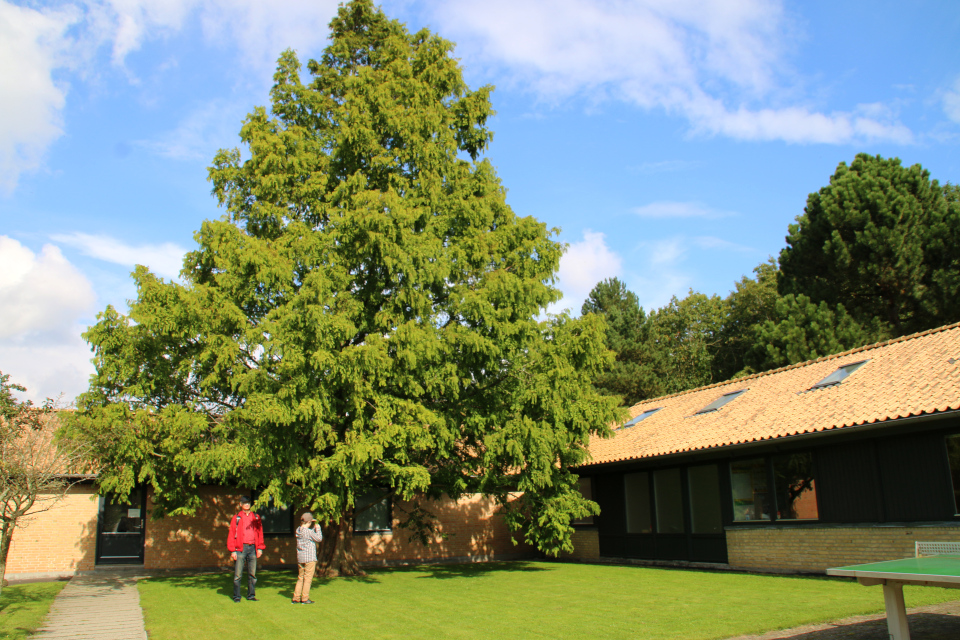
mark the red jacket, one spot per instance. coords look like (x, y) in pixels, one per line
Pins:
(235, 542)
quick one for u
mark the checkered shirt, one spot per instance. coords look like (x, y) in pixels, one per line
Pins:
(307, 540)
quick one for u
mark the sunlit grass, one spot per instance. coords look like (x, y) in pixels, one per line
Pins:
(510, 600)
(23, 608)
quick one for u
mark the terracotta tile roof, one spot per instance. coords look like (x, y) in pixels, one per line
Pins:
(908, 376)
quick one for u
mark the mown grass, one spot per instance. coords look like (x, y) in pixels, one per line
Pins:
(23, 608)
(509, 600)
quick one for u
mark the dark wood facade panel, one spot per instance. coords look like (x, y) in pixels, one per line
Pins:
(915, 478)
(848, 483)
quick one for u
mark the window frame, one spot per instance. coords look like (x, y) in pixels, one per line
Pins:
(643, 415)
(774, 506)
(288, 508)
(848, 370)
(388, 498)
(722, 401)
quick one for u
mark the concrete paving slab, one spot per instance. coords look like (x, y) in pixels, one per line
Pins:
(103, 606)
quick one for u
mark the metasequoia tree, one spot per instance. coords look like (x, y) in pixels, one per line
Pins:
(365, 320)
(36, 469)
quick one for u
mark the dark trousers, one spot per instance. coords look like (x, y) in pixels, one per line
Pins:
(249, 557)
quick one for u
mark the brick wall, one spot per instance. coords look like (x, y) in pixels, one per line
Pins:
(818, 548)
(56, 542)
(473, 532)
(586, 545)
(63, 541)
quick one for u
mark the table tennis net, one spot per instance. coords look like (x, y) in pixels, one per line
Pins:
(936, 548)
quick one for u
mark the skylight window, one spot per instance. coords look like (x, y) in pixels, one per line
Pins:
(642, 416)
(839, 375)
(722, 400)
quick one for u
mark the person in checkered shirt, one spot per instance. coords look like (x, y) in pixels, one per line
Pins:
(308, 535)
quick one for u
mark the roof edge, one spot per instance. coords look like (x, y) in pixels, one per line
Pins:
(798, 365)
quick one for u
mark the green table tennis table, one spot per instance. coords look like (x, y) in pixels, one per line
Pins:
(933, 571)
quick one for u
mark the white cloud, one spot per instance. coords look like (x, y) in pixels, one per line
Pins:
(259, 29)
(33, 44)
(38, 291)
(710, 242)
(584, 264)
(951, 101)
(667, 252)
(37, 44)
(718, 63)
(42, 299)
(201, 133)
(164, 259)
(673, 210)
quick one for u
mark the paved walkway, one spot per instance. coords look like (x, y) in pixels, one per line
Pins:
(103, 606)
(932, 622)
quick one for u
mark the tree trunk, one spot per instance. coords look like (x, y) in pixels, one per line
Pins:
(6, 533)
(336, 557)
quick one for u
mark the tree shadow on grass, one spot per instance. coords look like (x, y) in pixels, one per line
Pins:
(221, 582)
(473, 570)
(14, 601)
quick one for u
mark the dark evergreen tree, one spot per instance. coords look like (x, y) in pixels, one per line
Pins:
(883, 240)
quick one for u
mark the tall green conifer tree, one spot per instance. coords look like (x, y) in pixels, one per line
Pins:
(364, 318)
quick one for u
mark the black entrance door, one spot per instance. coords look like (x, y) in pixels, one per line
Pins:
(120, 530)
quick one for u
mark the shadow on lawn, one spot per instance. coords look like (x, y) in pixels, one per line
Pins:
(221, 582)
(474, 570)
(14, 600)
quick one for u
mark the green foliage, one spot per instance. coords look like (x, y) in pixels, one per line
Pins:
(751, 303)
(626, 331)
(804, 330)
(683, 337)
(884, 241)
(365, 316)
(667, 351)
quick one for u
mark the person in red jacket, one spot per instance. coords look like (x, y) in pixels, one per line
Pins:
(245, 544)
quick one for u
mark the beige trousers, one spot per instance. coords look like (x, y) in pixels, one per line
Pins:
(304, 579)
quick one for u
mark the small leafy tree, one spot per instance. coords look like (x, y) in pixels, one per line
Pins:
(35, 468)
(364, 321)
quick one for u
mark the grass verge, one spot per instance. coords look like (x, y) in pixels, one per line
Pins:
(510, 600)
(23, 607)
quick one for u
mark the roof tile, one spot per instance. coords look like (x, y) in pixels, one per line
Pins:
(908, 376)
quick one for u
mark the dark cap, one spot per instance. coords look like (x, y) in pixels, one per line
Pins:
(245, 500)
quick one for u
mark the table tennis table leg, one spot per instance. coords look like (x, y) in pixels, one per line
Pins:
(896, 611)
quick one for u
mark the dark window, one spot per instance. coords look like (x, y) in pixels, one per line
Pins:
(669, 500)
(751, 495)
(637, 497)
(953, 453)
(722, 400)
(839, 375)
(642, 416)
(586, 490)
(276, 519)
(372, 512)
(704, 486)
(794, 486)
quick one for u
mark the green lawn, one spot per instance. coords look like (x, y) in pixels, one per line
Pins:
(509, 600)
(23, 607)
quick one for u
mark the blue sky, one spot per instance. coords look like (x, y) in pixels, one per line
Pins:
(671, 141)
